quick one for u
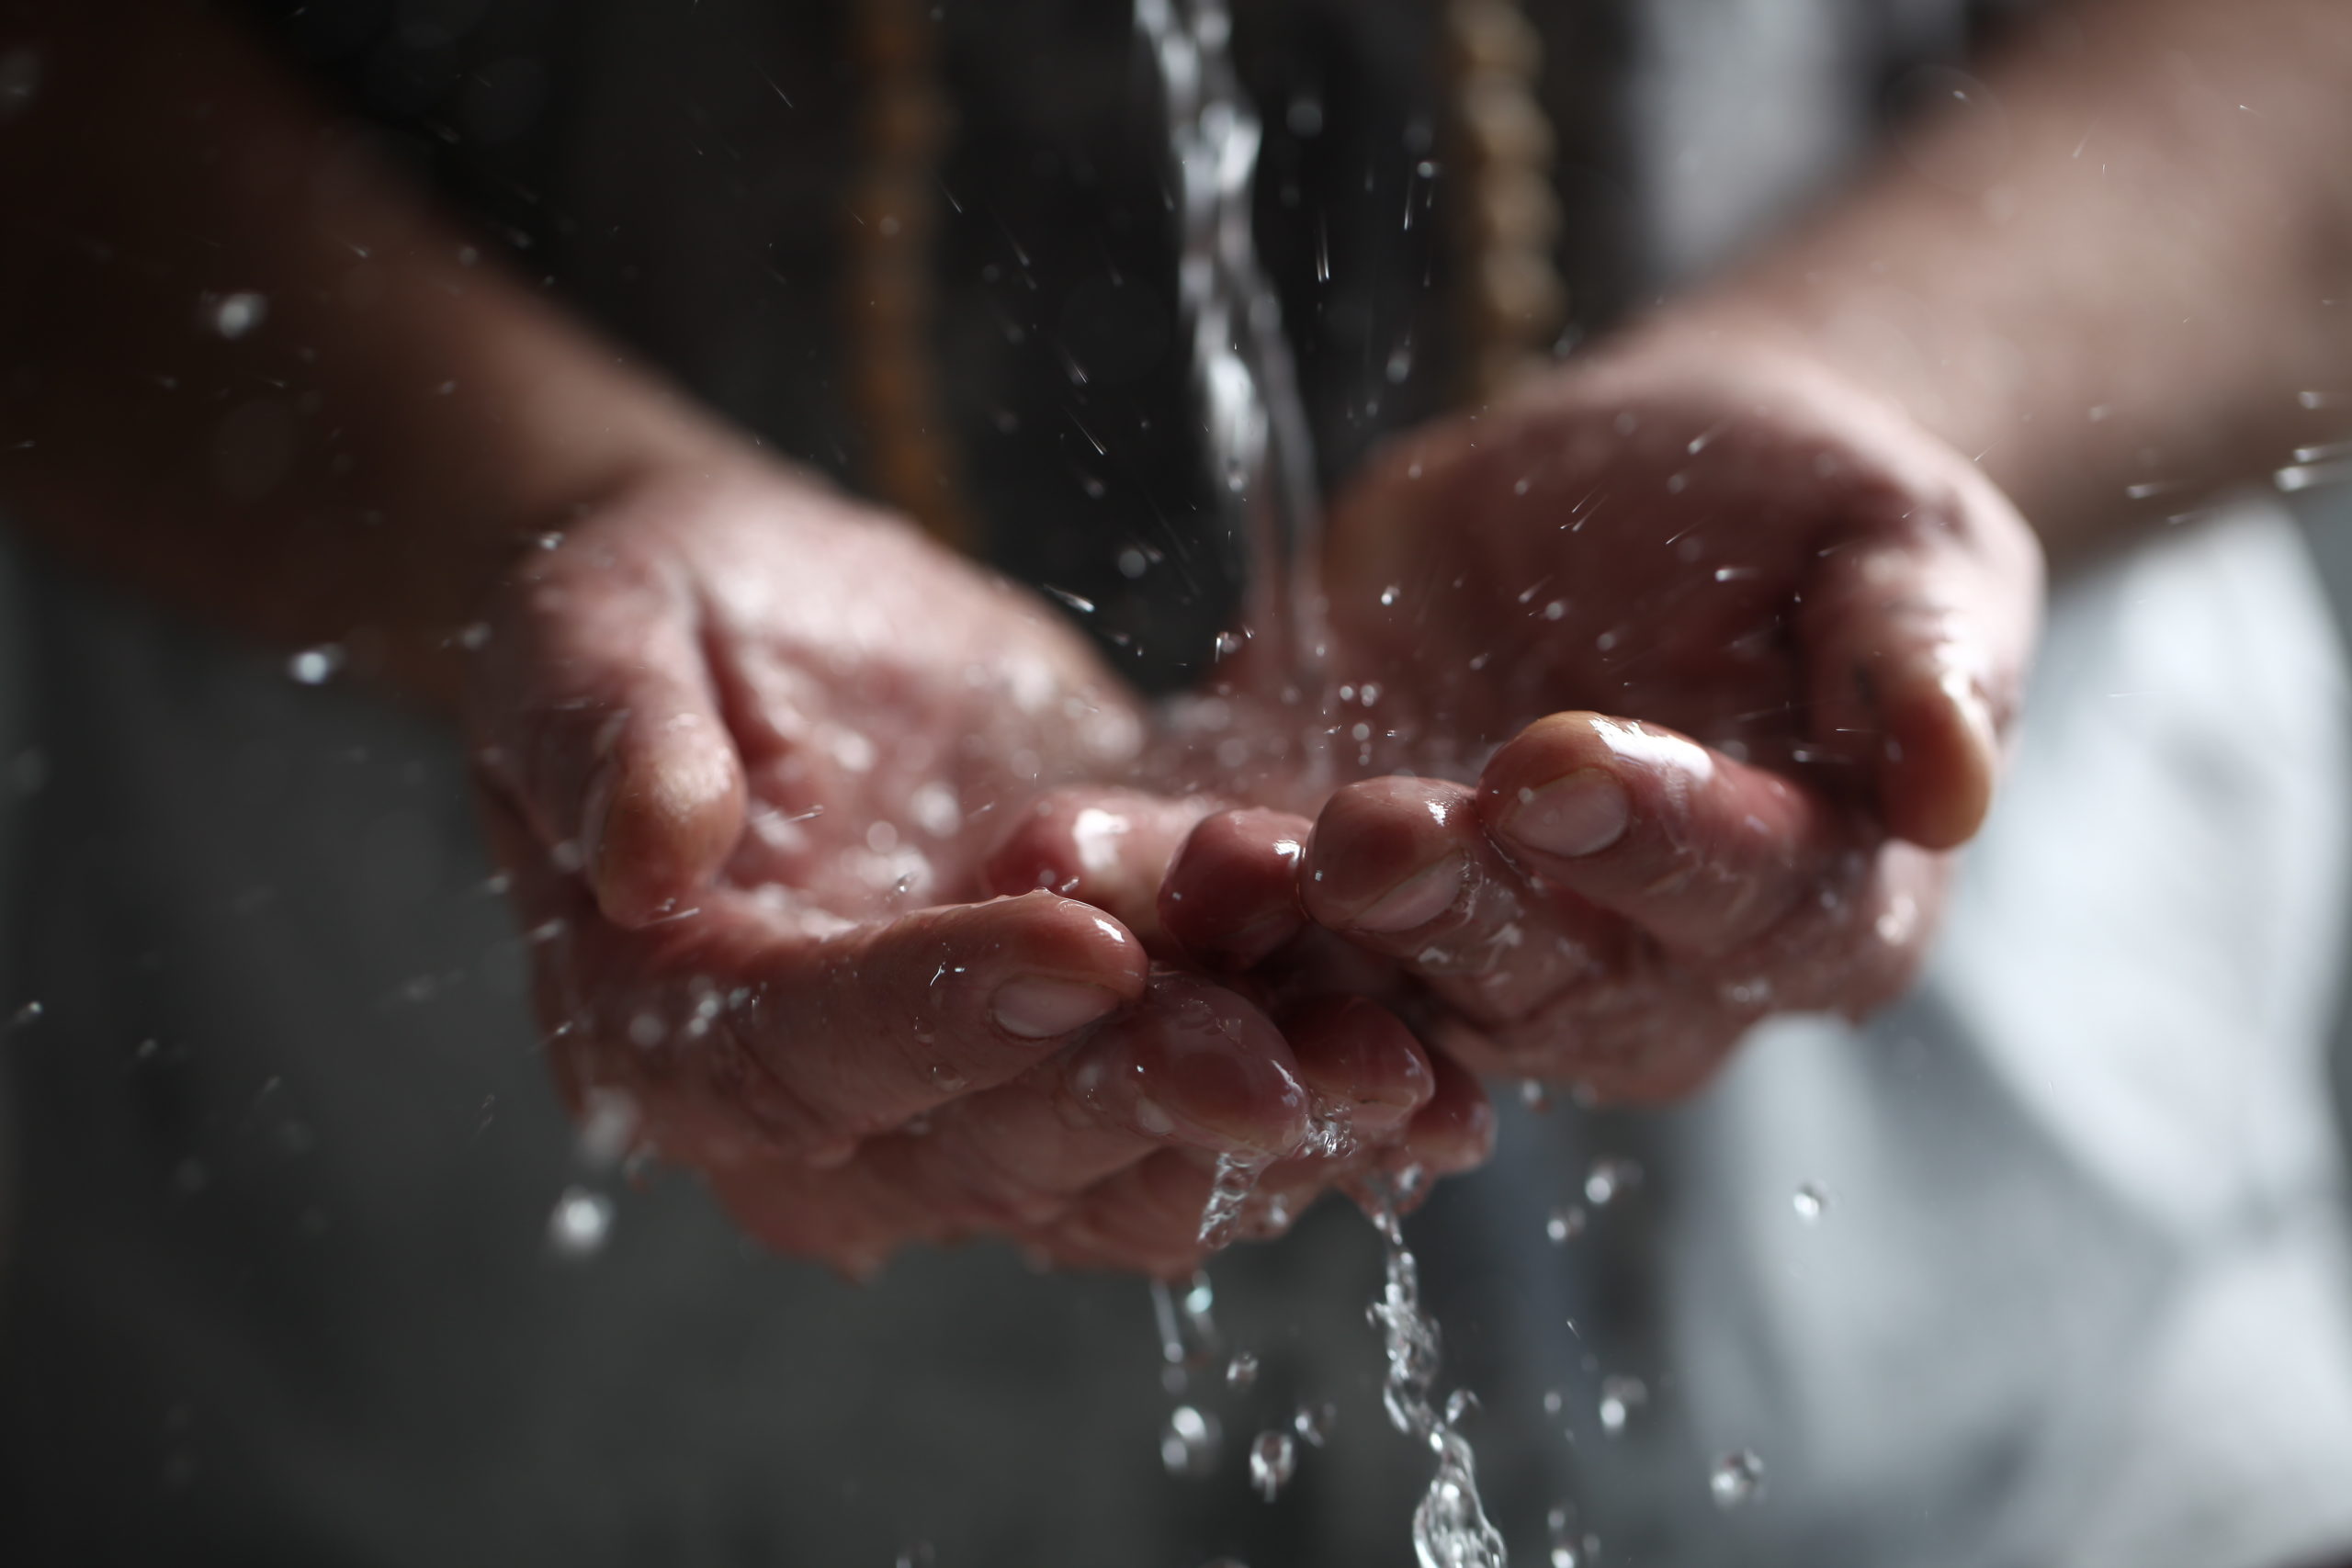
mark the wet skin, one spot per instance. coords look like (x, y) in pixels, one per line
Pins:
(1697, 665)
(744, 750)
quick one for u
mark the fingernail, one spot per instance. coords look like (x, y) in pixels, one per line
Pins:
(1034, 1009)
(1580, 815)
(1416, 901)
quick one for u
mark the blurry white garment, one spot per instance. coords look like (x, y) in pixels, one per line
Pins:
(2080, 1292)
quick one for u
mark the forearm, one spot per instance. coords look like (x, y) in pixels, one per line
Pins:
(402, 418)
(2124, 282)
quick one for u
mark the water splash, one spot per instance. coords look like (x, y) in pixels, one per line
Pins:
(1450, 1526)
(1230, 1187)
(1260, 445)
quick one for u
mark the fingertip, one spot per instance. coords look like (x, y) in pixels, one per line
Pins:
(661, 815)
(1356, 1051)
(1231, 898)
(1941, 762)
(1198, 1062)
(1455, 1131)
(1047, 935)
(1387, 856)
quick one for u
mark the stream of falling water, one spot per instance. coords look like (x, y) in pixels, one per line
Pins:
(1261, 454)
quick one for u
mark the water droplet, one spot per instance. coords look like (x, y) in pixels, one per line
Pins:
(579, 1223)
(1610, 1180)
(1560, 1531)
(1273, 1459)
(1241, 1371)
(1189, 1443)
(1809, 1201)
(1620, 1397)
(1083, 606)
(1552, 1401)
(1566, 1222)
(20, 73)
(607, 1128)
(315, 666)
(1313, 1423)
(919, 1555)
(1390, 594)
(30, 1013)
(1534, 1096)
(234, 315)
(1737, 1478)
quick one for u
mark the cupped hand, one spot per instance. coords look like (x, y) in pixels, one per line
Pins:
(745, 749)
(1696, 661)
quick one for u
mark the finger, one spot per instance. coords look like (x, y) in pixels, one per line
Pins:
(1360, 1065)
(594, 706)
(1916, 649)
(1109, 848)
(1402, 867)
(1147, 1218)
(1231, 898)
(1698, 850)
(1192, 1064)
(1656, 1029)
(811, 1044)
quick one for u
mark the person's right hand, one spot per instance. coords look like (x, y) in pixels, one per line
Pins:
(745, 748)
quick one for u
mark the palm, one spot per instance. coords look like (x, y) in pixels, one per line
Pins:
(891, 709)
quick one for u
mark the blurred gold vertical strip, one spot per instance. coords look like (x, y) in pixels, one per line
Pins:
(893, 219)
(1505, 216)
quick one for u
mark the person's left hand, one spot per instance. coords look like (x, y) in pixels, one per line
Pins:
(1682, 671)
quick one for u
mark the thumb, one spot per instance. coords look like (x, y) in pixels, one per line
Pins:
(1916, 654)
(594, 707)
